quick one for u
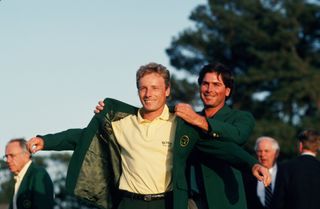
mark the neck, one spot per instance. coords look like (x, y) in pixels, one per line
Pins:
(150, 115)
(211, 111)
(304, 151)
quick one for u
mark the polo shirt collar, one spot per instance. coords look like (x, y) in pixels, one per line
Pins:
(165, 115)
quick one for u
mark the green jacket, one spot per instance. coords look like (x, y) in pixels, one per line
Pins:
(95, 167)
(36, 190)
(222, 183)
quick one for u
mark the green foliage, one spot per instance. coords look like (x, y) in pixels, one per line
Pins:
(274, 49)
(183, 91)
(284, 133)
(6, 183)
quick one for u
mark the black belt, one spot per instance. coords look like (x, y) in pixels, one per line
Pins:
(145, 197)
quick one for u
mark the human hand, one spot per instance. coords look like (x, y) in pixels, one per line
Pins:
(35, 144)
(186, 112)
(192, 204)
(99, 107)
(262, 174)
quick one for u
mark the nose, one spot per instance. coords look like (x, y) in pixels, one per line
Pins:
(210, 87)
(148, 92)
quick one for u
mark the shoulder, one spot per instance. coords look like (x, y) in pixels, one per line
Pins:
(289, 166)
(37, 170)
(117, 105)
(236, 114)
(185, 127)
(242, 113)
(111, 101)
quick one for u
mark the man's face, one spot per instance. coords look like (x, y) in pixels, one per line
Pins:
(153, 93)
(266, 154)
(16, 157)
(213, 92)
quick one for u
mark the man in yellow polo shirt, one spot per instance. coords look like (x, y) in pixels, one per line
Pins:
(148, 150)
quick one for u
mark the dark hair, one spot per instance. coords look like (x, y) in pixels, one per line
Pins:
(310, 139)
(226, 74)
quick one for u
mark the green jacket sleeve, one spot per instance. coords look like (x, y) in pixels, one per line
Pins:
(65, 140)
(227, 151)
(235, 127)
(69, 139)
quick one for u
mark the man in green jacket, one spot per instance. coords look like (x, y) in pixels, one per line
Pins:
(140, 152)
(33, 186)
(215, 184)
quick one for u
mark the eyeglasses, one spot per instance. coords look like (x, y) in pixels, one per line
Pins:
(6, 157)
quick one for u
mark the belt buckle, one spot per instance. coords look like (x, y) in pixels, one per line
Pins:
(147, 197)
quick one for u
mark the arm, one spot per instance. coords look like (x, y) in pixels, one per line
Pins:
(186, 112)
(236, 156)
(235, 127)
(65, 140)
(68, 140)
(221, 149)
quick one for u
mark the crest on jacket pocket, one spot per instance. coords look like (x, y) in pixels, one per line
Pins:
(184, 141)
(27, 204)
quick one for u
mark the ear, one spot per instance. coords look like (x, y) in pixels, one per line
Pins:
(300, 147)
(228, 90)
(168, 91)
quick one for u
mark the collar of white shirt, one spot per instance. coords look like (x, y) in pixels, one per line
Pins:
(23, 171)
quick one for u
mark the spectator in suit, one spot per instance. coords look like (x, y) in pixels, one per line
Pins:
(33, 186)
(267, 151)
(299, 181)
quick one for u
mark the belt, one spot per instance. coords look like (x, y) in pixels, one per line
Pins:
(145, 197)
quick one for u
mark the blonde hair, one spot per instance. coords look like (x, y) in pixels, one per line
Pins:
(153, 68)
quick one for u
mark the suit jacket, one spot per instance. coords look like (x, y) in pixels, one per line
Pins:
(250, 185)
(97, 153)
(36, 190)
(299, 184)
(222, 183)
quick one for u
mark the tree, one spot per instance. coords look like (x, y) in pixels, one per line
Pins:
(273, 47)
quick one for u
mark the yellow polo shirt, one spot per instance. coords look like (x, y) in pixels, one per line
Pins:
(146, 152)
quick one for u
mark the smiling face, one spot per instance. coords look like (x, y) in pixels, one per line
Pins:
(16, 157)
(153, 95)
(213, 91)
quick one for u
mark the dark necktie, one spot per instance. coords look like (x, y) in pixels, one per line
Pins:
(268, 196)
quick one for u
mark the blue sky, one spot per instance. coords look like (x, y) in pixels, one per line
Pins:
(58, 58)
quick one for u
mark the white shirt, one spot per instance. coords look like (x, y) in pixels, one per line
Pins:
(260, 185)
(308, 153)
(19, 179)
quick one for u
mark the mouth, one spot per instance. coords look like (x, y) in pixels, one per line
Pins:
(209, 96)
(148, 101)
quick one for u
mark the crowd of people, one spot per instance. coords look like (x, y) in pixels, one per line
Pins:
(163, 157)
